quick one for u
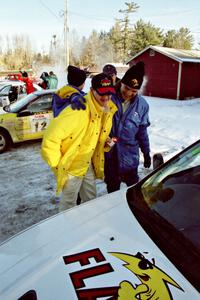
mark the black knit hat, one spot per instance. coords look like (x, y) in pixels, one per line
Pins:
(109, 70)
(44, 74)
(134, 76)
(75, 76)
(25, 74)
(103, 84)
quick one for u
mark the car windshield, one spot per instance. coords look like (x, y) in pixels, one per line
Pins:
(18, 105)
(167, 204)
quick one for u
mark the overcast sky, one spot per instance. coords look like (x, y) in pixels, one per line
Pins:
(40, 19)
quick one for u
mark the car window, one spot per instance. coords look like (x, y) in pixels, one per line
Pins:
(21, 104)
(167, 205)
(5, 90)
(42, 104)
(22, 89)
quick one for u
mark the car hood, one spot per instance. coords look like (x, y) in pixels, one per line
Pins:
(91, 250)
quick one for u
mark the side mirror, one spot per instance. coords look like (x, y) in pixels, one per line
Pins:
(157, 160)
(6, 108)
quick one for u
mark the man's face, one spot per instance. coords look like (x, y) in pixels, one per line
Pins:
(127, 92)
(114, 77)
(102, 100)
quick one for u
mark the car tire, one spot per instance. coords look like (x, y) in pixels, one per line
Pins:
(5, 141)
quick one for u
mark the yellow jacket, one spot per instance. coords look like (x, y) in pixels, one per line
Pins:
(65, 91)
(75, 137)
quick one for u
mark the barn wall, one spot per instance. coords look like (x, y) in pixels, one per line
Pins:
(161, 72)
(190, 81)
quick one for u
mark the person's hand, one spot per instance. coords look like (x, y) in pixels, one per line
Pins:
(77, 102)
(111, 141)
(147, 160)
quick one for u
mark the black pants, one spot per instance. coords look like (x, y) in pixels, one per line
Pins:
(113, 176)
(78, 201)
(129, 177)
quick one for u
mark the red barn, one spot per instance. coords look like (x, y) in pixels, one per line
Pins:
(170, 73)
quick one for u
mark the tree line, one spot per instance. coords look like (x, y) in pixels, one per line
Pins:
(119, 44)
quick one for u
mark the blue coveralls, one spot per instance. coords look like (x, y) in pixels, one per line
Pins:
(130, 127)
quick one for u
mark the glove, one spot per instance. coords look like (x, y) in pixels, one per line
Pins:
(77, 101)
(147, 160)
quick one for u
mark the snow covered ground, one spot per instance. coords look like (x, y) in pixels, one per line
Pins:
(27, 186)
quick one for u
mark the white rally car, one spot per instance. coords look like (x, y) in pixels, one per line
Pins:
(142, 242)
(11, 90)
(25, 119)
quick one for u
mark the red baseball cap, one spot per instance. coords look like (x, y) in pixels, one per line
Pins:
(103, 84)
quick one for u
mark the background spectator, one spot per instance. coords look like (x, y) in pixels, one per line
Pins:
(44, 83)
(110, 70)
(29, 84)
(52, 81)
(72, 92)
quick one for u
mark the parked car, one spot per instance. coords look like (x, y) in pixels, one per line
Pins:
(14, 76)
(25, 119)
(11, 91)
(140, 242)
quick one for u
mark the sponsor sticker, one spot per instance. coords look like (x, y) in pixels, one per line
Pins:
(39, 122)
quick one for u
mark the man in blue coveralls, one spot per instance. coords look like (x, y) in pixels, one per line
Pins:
(129, 128)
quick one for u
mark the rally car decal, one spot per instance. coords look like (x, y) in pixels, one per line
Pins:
(154, 281)
(78, 278)
(39, 122)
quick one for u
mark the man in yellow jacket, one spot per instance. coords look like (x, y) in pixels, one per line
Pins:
(74, 143)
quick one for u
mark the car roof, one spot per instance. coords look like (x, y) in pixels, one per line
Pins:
(17, 105)
(44, 92)
(11, 82)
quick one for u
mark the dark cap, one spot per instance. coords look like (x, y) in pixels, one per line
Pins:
(25, 74)
(103, 84)
(109, 70)
(134, 76)
(44, 74)
(75, 76)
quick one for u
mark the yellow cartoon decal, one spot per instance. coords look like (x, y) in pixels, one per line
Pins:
(154, 282)
(134, 83)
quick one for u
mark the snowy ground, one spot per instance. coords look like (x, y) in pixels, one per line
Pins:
(28, 186)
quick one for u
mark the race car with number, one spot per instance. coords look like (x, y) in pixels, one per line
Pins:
(25, 119)
(140, 243)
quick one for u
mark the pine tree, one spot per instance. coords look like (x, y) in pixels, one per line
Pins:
(115, 38)
(145, 34)
(131, 8)
(169, 39)
(181, 39)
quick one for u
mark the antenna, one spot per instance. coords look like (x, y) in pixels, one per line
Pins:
(66, 35)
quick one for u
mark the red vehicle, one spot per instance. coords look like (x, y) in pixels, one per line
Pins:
(14, 76)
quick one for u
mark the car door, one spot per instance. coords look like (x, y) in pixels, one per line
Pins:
(33, 120)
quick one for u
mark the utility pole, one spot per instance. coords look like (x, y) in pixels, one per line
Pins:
(66, 35)
(54, 48)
